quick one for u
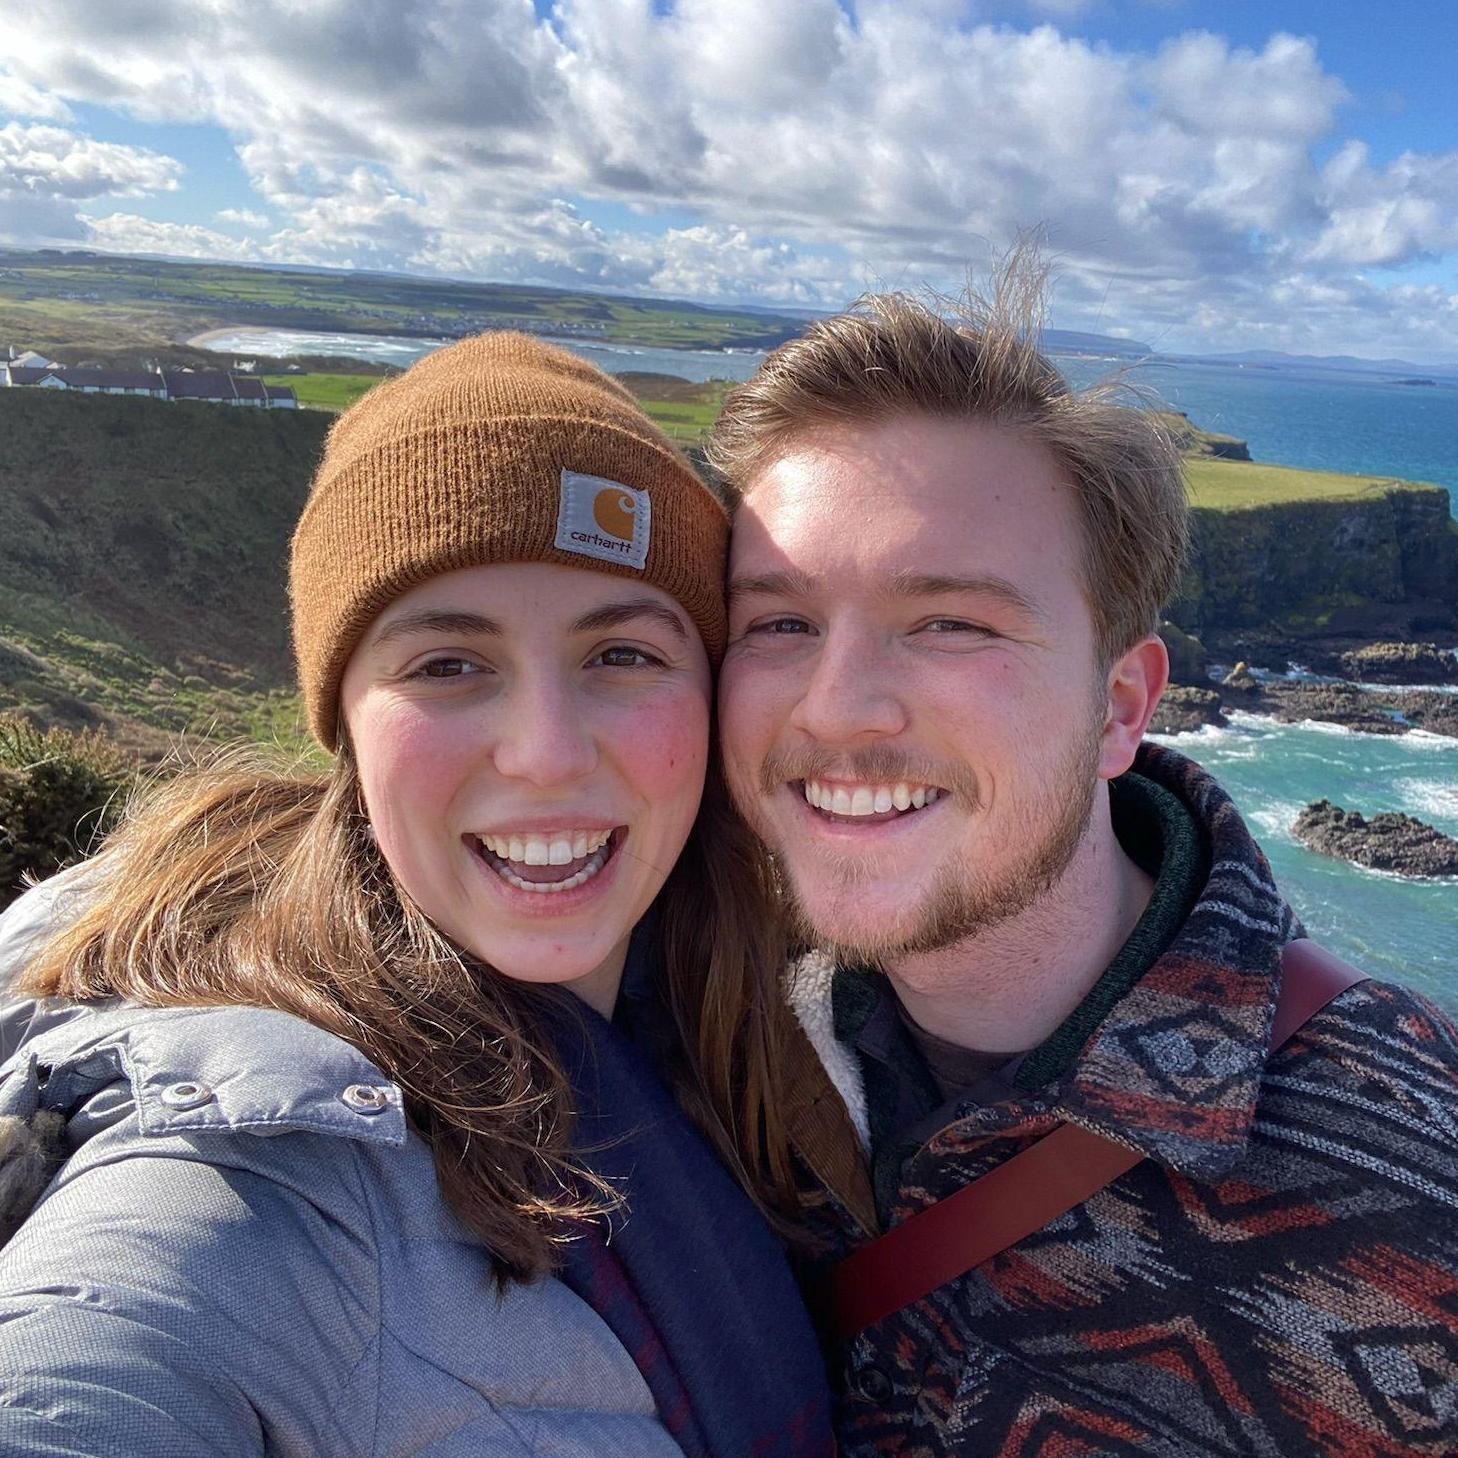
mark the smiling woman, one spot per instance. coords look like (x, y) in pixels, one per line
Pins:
(464, 976)
(548, 727)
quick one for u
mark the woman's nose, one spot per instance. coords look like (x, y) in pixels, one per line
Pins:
(544, 737)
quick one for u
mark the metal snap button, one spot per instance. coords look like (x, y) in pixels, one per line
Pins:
(186, 1095)
(366, 1100)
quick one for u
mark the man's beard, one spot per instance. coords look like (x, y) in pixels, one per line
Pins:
(962, 902)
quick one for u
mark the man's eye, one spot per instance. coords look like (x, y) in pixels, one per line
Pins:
(625, 657)
(956, 625)
(782, 625)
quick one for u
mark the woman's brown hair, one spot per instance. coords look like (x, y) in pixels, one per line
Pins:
(243, 883)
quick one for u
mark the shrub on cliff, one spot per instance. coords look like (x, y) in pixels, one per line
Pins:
(59, 794)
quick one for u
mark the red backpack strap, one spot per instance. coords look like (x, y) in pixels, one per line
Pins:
(1023, 1194)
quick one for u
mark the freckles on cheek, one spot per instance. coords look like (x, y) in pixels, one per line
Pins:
(396, 754)
(669, 749)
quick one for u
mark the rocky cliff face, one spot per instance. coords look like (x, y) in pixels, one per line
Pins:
(1385, 566)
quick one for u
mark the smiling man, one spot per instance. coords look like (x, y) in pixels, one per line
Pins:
(945, 578)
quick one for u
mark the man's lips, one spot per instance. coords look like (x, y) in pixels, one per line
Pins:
(860, 799)
(864, 805)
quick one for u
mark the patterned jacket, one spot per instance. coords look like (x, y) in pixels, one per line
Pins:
(1278, 1277)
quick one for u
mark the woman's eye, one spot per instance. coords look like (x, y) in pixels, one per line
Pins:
(624, 657)
(446, 667)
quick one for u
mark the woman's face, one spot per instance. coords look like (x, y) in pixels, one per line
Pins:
(532, 741)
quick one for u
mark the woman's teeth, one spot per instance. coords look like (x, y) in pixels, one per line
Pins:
(562, 848)
(559, 849)
(869, 799)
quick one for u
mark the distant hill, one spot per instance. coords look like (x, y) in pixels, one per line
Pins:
(77, 304)
(142, 546)
(1071, 341)
(1279, 359)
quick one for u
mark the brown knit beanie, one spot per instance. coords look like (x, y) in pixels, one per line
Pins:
(497, 449)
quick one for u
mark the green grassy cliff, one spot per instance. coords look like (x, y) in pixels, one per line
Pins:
(1374, 553)
(142, 546)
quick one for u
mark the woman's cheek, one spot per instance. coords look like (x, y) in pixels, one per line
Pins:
(667, 747)
(406, 761)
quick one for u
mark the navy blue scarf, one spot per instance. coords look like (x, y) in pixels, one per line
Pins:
(691, 1280)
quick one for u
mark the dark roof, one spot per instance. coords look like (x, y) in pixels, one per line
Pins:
(281, 392)
(81, 377)
(199, 384)
(249, 388)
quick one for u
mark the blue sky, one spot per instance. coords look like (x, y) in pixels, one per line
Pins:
(1208, 176)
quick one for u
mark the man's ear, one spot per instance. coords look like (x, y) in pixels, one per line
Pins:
(1135, 683)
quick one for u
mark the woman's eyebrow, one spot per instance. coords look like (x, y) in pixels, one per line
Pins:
(429, 620)
(615, 614)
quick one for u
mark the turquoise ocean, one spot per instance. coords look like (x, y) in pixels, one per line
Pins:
(1396, 928)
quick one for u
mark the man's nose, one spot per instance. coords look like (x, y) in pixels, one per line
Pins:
(543, 736)
(852, 691)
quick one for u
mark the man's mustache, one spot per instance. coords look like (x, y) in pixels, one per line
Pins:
(875, 765)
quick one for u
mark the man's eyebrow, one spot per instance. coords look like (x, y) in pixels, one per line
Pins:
(615, 614)
(931, 584)
(790, 584)
(432, 620)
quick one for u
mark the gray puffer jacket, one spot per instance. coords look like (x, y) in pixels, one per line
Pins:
(245, 1252)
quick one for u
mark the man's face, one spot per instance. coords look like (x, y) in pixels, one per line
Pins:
(912, 708)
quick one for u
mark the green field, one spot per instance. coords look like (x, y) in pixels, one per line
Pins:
(325, 392)
(1231, 485)
(686, 415)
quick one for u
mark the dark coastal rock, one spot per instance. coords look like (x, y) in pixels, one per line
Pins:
(1241, 684)
(1424, 709)
(1400, 663)
(1367, 711)
(1387, 842)
(1328, 703)
(1188, 661)
(1183, 710)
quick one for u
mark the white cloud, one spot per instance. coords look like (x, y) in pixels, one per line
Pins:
(50, 160)
(810, 150)
(19, 98)
(47, 172)
(128, 233)
(240, 218)
(1406, 209)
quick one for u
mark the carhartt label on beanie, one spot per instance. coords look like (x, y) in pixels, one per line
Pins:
(604, 519)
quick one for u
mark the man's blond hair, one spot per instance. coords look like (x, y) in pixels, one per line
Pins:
(896, 355)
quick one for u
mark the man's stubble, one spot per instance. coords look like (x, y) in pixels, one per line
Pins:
(964, 900)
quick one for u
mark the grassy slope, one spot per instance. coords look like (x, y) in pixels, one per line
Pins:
(141, 545)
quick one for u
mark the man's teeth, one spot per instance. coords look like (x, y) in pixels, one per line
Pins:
(560, 848)
(869, 799)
